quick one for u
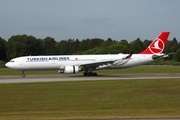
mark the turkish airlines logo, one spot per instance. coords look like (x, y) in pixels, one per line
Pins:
(157, 46)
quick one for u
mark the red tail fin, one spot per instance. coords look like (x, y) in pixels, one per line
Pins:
(157, 46)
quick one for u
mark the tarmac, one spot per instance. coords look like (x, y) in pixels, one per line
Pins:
(61, 78)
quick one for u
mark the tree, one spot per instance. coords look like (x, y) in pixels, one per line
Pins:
(84, 45)
(34, 46)
(16, 46)
(147, 43)
(125, 47)
(68, 47)
(176, 56)
(171, 46)
(137, 46)
(23, 45)
(96, 42)
(63, 49)
(3, 49)
(175, 45)
(76, 45)
(119, 47)
(50, 46)
(107, 43)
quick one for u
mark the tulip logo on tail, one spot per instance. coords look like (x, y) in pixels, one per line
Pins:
(157, 46)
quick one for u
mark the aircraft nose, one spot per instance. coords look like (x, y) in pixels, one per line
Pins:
(7, 64)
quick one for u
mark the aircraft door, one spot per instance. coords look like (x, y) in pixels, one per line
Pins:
(21, 61)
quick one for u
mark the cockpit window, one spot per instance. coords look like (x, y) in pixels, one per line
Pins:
(12, 61)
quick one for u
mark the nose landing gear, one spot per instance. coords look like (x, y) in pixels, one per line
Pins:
(23, 74)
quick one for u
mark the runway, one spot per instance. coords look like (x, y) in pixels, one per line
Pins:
(19, 79)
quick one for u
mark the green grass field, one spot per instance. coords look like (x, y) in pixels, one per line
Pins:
(92, 99)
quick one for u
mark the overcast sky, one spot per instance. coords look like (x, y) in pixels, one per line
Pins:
(81, 19)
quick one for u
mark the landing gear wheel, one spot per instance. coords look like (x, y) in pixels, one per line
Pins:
(85, 73)
(23, 75)
(90, 74)
(94, 74)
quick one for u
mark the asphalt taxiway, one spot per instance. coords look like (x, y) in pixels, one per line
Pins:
(19, 79)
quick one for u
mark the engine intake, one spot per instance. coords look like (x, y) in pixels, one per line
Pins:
(71, 69)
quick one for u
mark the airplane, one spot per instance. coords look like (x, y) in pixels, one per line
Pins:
(71, 64)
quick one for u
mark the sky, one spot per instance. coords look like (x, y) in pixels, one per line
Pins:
(82, 19)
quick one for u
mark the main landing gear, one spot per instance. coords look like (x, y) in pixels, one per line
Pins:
(23, 74)
(90, 73)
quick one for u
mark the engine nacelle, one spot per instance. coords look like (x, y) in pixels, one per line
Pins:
(71, 69)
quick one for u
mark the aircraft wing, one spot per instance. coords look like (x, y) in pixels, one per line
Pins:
(105, 62)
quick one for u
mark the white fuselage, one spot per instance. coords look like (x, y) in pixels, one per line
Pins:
(59, 61)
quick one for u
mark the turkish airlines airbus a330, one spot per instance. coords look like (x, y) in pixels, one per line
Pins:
(71, 64)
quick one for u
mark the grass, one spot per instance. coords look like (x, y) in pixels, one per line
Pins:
(91, 99)
(135, 70)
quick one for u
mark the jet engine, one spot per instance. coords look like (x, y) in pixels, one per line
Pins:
(71, 69)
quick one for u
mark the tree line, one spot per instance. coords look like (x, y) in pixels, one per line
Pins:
(24, 45)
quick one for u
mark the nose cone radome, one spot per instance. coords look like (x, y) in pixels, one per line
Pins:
(7, 64)
(10, 65)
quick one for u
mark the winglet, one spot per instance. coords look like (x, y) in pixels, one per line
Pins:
(127, 57)
(158, 45)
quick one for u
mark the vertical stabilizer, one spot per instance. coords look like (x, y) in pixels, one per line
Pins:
(158, 45)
